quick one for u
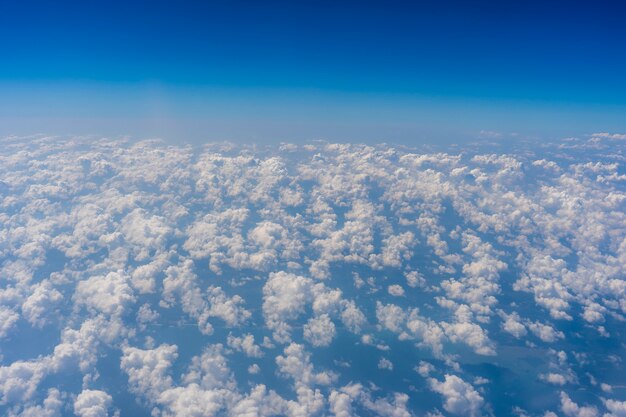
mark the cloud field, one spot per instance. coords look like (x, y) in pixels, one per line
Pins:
(145, 279)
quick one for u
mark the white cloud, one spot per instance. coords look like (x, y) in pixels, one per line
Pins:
(109, 294)
(146, 233)
(545, 332)
(19, 381)
(319, 331)
(616, 408)
(284, 298)
(385, 363)
(52, 406)
(40, 305)
(104, 243)
(460, 398)
(395, 290)
(472, 335)
(424, 368)
(181, 283)
(226, 308)
(296, 364)
(571, 409)
(92, 403)
(390, 316)
(149, 370)
(512, 324)
(245, 344)
(210, 370)
(8, 318)
(605, 135)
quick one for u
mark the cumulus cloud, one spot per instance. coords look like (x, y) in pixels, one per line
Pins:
(245, 344)
(284, 297)
(616, 408)
(571, 409)
(395, 290)
(460, 397)
(139, 250)
(149, 370)
(385, 363)
(8, 318)
(319, 331)
(19, 381)
(296, 364)
(108, 294)
(92, 403)
(52, 406)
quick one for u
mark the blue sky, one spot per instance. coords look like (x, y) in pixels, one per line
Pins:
(262, 71)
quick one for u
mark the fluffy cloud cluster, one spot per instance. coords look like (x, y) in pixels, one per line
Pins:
(308, 280)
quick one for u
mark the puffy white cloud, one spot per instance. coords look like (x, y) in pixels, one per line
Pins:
(226, 308)
(143, 278)
(571, 409)
(415, 279)
(385, 363)
(220, 237)
(297, 365)
(245, 344)
(472, 335)
(390, 316)
(52, 406)
(428, 332)
(8, 318)
(149, 370)
(352, 317)
(460, 397)
(146, 233)
(191, 401)
(340, 404)
(92, 403)
(210, 370)
(555, 379)
(512, 324)
(80, 346)
(560, 371)
(616, 408)
(397, 407)
(19, 381)
(146, 315)
(424, 368)
(545, 332)
(181, 283)
(319, 331)
(109, 294)
(40, 305)
(284, 297)
(397, 248)
(479, 285)
(395, 290)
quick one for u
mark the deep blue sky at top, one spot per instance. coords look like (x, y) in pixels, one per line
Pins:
(484, 65)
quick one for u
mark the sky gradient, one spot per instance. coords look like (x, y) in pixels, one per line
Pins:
(371, 71)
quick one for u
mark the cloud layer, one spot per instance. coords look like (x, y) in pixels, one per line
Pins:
(320, 279)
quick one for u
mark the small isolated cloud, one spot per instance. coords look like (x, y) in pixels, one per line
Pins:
(395, 290)
(385, 363)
